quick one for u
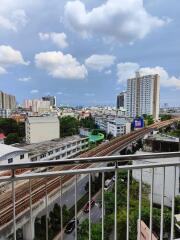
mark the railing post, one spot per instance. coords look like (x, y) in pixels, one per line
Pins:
(128, 196)
(76, 225)
(103, 206)
(115, 207)
(14, 203)
(46, 200)
(30, 202)
(173, 205)
(140, 205)
(162, 205)
(61, 209)
(89, 206)
(151, 205)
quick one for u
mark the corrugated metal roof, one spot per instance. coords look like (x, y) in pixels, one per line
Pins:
(7, 149)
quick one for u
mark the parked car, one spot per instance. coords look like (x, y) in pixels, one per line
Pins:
(86, 208)
(71, 226)
(107, 184)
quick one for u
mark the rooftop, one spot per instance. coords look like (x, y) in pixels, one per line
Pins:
(164, 137)
(42, 147)
(42, 119)
(7, 149)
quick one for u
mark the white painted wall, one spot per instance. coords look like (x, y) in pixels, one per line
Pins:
(41, 129)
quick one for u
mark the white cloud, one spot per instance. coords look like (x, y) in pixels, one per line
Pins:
(127, 70)
(59, 39)
(123, 20)
(2, 70)
(10, 57)
(99, 62)
(108, 72)
(24, 79)
(59, 65)
(14, 20)
(34, 91)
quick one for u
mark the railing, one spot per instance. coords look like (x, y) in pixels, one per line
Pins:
(145, 170)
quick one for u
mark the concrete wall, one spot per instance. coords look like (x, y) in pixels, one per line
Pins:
(158, 179)
(42, 129)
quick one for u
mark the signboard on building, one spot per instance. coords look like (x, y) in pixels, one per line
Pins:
(138, 123)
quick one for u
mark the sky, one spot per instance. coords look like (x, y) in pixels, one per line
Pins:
(84, 51)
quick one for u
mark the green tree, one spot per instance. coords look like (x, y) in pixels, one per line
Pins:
(8, 125)
(12, 138)
(87, 122)
(68, 126)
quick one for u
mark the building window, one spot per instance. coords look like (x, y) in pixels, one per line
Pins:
(34, 159)
(22, 156)
(42, 155)
(10, 160)
(50, 152)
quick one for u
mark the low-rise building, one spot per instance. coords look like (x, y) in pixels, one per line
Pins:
(10, 154)
(39, 129)
(114, 125)
(118, 127)
(56, 149)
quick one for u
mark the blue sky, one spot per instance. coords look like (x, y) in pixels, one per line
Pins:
(84, 51)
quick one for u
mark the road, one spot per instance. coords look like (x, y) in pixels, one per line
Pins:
(68, 196)
(96, 213)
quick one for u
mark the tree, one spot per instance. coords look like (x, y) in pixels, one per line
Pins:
(12, 138)
(8, 125)
(87, 122)
(68, 126)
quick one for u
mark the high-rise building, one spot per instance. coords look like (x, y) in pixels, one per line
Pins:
(143, 94)
(37, 106)
(51, 99)
(121, 100)
(7, 101)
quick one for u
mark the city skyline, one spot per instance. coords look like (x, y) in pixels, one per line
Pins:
(87, 64)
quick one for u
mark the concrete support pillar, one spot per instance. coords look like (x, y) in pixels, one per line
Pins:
(28, 233)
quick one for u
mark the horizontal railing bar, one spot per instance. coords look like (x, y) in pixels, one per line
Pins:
(87, 170)
(122, 158)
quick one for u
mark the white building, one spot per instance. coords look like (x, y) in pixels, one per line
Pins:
(56, 149)
(39, 129)
(114, 125)
(10, 154)
(118, 127)
(143, 93)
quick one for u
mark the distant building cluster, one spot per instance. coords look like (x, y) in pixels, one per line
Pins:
(40, 106)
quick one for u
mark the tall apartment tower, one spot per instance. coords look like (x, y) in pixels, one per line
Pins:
(51, 99)
(121, 100)
(143, 93)
(7, 101)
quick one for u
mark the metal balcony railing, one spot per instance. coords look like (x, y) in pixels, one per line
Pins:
(19, 207)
